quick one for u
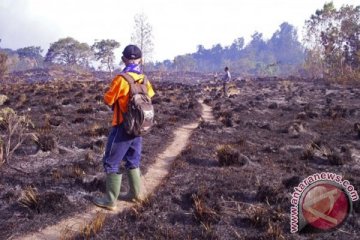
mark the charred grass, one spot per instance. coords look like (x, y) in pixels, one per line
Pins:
(52, 174)
(233, 181)
(209, 195)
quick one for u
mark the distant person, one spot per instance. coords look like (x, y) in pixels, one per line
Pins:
(215, 77)
(226, 78)
(122, 146)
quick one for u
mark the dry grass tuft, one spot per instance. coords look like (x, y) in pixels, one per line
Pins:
(96, 129)
(77, 171)
(308, 153)
(85, 110)
(274, 231)
(89, 157)
(87, 231)
(202, 212)
(286, 85)
(318, 149)
(144, 202)
(56, 174)
(98, 146)
(91, 229)
(258, 215)
(30, 198)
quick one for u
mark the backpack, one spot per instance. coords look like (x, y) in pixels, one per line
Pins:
(139, 117)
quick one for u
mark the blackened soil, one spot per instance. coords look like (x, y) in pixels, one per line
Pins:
(282, 131)
(59, 169)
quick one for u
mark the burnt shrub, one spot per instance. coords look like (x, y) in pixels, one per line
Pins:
(54, 203)
(207, 101)
(357, 129)
(79, 95)
(98, 98)
(308, 153)
(268, 194)
(228, 156)
(46, 142)
(48, 202)
(227, 122)
(85, 110)
(98, 146)
(226, 118)
(166, 100)
(335, 159)
(291, 182)
(301, 116)
(66, 101)
(55, 121)
(103, 108)
(273, 106)
(217, 108)
(78, 120)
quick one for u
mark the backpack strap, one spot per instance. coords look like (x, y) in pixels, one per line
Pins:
(131, 82)
(127, 77)
(135, 87)
(118, 112)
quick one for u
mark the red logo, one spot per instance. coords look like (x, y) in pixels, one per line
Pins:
(325, 206)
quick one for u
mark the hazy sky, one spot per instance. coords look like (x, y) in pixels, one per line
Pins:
(178, 25)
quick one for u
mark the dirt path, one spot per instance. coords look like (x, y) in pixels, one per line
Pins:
(207, 114)
(151, 180)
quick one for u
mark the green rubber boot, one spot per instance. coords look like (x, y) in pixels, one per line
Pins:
(134, 193)
(113, 183)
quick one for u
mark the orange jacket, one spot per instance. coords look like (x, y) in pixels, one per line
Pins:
(119, 91)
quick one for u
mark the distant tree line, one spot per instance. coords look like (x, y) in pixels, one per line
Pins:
(67, 52)
(71, 53)
(331, 49)
(283, 54)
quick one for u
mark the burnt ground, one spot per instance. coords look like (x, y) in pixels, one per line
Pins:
(276, 133)
(61, 166)
(233, 181)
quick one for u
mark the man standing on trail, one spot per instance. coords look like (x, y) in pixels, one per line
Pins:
(120, 145)
(226, 78)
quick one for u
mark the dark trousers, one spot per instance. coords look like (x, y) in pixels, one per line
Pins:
(225, 88)
(121, 146)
